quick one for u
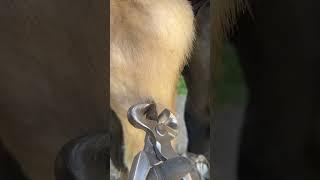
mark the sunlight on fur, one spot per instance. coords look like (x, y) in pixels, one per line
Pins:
(150, 43)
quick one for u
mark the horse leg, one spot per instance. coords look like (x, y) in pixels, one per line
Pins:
(150, 41)
(197, 74)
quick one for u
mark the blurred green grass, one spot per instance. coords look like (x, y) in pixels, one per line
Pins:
(181, 87)
(229, 86)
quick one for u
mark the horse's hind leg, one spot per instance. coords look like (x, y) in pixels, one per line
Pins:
(198, 108)
(150, 41)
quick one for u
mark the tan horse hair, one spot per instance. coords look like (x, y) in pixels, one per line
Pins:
(150, 43)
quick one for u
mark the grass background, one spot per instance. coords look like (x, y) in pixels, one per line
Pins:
(230, 86)
(181, 87)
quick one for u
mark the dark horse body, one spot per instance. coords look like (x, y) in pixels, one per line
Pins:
(278, 45)
(52, 71)
(279, 52)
